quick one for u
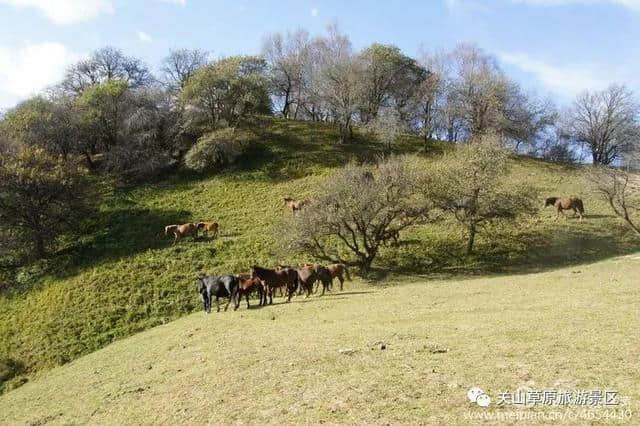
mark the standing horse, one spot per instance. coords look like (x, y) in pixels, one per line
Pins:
(307, 277)
(179, 231)
(208, 226)
(223, 286)
(566, 203)
(273, 279)
(246, 286)
(324, 278)
(295, 205)
(337, 270)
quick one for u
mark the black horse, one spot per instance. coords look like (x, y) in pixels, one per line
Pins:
(216, 286)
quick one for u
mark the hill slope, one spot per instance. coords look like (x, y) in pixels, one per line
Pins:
(126, 276)
(321, 358)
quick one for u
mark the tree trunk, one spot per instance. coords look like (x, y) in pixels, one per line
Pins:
(472, 237)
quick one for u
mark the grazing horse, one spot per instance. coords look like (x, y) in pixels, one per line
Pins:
(307, 277)
(179, 231)
(273, 279)
(566, 203)
(246, 286)
(216, 286)
(337, 270)
(295, 205)
(209, 226)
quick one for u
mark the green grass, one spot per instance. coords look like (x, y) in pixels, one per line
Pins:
(125, 277)
(320, 359)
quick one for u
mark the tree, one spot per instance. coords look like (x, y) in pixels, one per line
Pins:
(471, 184)
(41, 196)
(387, 127)
(180, 65)
(106, 64)
(287, 57)
(50, 124)
(359, 209)
(619, 188)
(105, 108)
(228, 90)
(338, 79)
(385, 76)
(606, 122)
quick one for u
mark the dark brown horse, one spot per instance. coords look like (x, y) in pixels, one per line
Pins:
(566, 203)
(273, 279)
(247, 286)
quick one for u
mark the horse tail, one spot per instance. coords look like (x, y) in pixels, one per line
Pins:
(346, 271)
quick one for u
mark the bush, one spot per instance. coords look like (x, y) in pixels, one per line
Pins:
(9, 369)
(216, 149)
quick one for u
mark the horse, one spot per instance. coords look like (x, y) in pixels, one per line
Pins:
(337, 270)
(219, 286)
(273, 279)
(566, 203)
(179, 231)
(246, 286)
(307, 276)
(324, 278)
(295, 205)
(209, 226)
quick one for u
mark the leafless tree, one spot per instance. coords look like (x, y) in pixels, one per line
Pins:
(106, 64)
(180, 64)
(606, 122)
(621, 189)
(287, 57)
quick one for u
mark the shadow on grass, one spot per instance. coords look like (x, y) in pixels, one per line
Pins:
(506, 253)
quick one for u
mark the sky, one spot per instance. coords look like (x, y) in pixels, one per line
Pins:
(557, 48)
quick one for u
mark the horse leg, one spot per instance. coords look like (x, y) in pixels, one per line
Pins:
(247, 296)
(217, 304)
(341, 279)
(175, 238)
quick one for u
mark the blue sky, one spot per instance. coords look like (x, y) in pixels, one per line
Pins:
(556, 47)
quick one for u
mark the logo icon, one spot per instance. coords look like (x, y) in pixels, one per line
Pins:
(478, 396)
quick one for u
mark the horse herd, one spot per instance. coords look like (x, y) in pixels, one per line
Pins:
(265, 282)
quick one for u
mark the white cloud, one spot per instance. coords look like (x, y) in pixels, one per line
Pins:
(567, 81)
(64, 12)
(28, 70)
(314, 12)
(144, 37)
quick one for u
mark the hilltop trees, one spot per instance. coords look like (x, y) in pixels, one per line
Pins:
(228, 90)
(180, 65)
(606, 123)
(105, 64)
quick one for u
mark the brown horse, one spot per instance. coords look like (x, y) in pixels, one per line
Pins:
(246, 286)
(273, 279)
(209, 226)
(338, 270)
(180, 231)
(295, 205)
(307, 277)
(566, 203)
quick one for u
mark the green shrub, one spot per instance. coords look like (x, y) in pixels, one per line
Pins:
(218, 148)
(9, 368)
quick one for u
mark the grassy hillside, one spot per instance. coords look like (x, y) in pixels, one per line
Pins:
(320, 359)
(125, 276)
